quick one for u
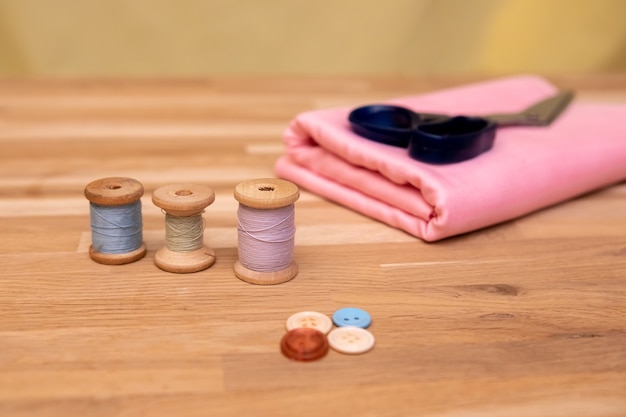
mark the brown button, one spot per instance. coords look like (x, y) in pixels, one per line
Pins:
(304, 344)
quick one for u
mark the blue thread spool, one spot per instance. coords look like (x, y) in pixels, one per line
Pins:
(116, 224)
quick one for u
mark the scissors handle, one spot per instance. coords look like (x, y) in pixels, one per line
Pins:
(391, 125)
(453, 140)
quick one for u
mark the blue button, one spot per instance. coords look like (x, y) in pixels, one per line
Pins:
(352, 316)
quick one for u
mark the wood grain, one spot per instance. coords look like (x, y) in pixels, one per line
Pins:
(526, 318)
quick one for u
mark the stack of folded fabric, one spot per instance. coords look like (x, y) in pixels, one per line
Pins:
(527, 169)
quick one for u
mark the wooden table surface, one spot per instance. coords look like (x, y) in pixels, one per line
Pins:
(527, 318)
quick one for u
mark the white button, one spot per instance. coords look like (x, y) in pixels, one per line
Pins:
(312, 319)
(351, 340)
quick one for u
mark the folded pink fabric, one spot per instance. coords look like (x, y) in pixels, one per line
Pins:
(528, 167)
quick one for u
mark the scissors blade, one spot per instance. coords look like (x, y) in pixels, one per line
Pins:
(542, 113)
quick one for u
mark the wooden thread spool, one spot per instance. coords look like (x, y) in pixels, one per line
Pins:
(122, 193)
(265, 194)
(184, 201)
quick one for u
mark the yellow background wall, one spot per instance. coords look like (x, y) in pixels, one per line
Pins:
(408, 37)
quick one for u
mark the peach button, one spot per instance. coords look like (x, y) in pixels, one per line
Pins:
(351, 340)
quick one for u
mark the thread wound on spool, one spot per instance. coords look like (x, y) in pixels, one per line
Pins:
(116, 229)
(184, 234)
(115, 220)
(266, 238)
(266, 230)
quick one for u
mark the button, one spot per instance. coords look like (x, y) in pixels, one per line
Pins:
(352, 316)
(304, 344)
(351, 340)
(312, 319)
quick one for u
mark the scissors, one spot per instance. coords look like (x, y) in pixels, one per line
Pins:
(443, 139)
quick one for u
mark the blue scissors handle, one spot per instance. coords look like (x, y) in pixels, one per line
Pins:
(433, 138)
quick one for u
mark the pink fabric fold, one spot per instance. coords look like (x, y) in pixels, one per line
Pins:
(528, 168)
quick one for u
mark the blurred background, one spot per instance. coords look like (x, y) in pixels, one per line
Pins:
(165, 38)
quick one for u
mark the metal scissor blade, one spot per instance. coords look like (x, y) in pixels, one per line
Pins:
(539, 114)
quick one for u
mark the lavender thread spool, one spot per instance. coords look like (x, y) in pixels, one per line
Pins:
(116, 222)
(266, 231)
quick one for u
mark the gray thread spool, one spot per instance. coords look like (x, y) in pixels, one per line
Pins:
(116, 223)
(183, 204)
